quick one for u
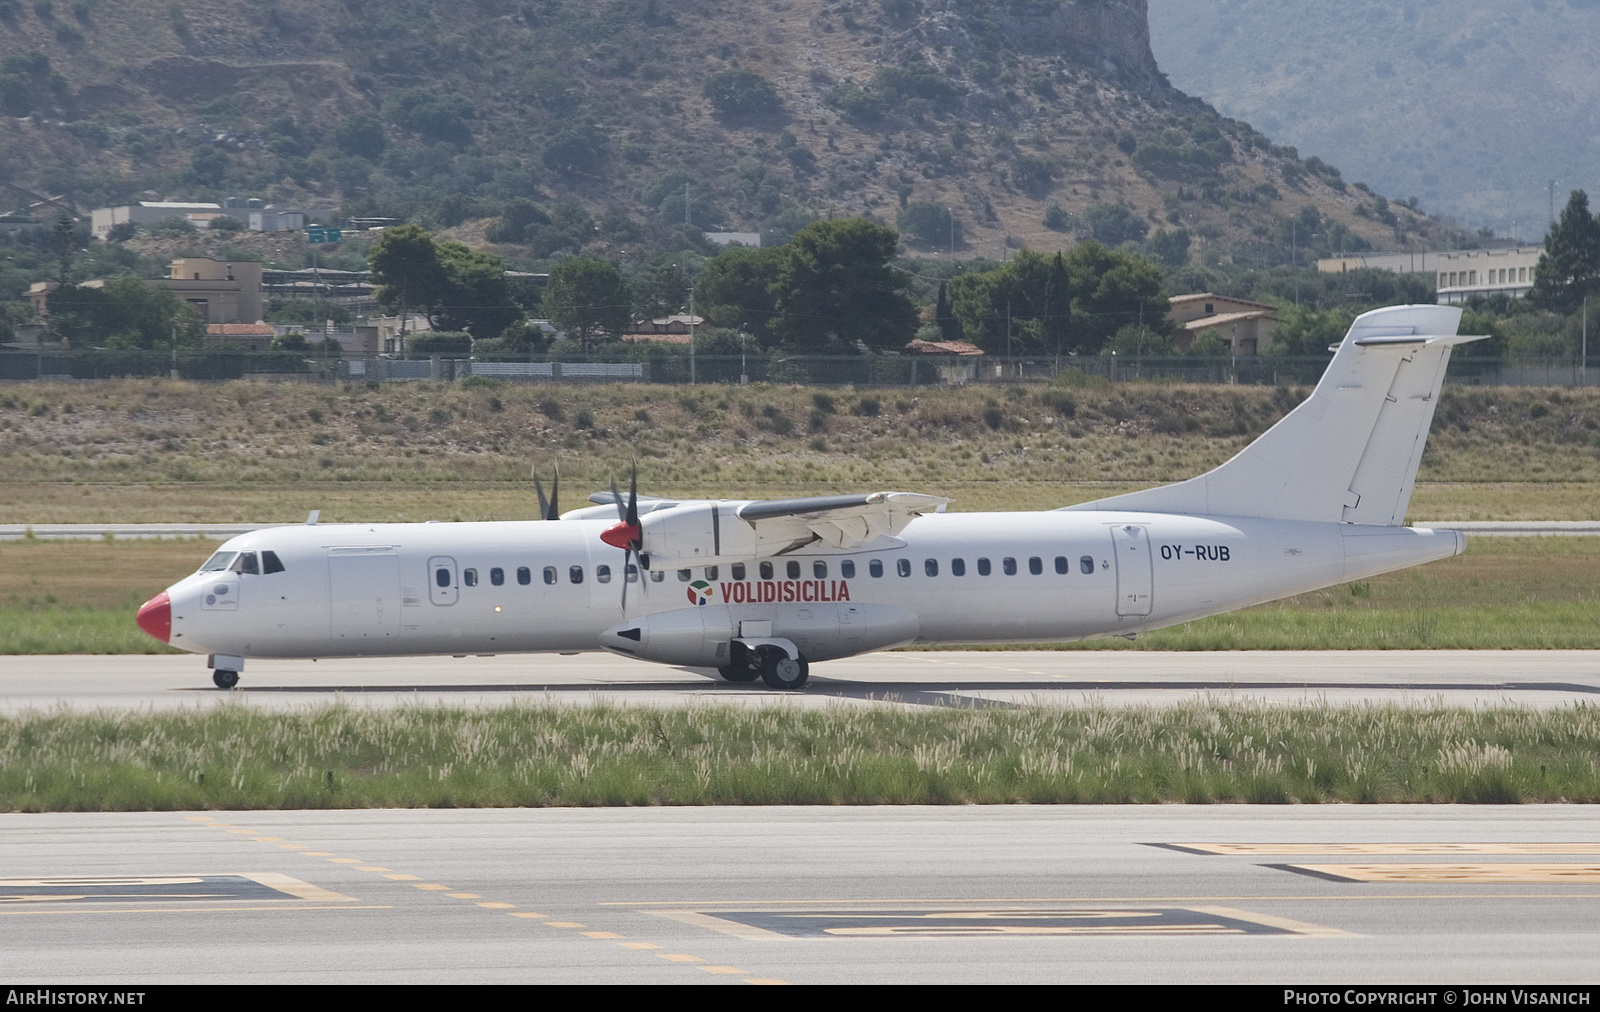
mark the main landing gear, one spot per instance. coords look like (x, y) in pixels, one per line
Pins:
(224, 678)
(769, 663)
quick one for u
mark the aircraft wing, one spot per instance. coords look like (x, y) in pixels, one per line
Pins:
(714, 532)
(841, 521)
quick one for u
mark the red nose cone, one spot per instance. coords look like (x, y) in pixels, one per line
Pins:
(155, 617)
(622, 535)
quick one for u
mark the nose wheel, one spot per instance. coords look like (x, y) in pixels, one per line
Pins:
(224, 678)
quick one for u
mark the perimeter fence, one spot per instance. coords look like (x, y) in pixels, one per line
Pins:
(803, 370)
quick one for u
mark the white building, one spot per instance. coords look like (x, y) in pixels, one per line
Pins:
(1458, 274)
(146, 212)
(751, 239)
(277, 219)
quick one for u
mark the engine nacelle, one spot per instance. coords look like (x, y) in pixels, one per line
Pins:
(705, 534)
(702, 637)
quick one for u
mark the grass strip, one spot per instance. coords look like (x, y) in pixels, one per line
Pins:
(238, 758)
(74, 631)
(1543, 625)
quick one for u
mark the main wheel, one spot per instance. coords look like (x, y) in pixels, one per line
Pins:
(782, 672)
(224, 678)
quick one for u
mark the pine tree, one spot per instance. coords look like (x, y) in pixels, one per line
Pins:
(1570, 267)
(1057, 306)
(949, 326)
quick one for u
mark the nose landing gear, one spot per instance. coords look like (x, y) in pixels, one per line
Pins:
(225, 669)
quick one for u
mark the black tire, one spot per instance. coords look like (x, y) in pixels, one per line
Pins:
(225, 679)
(739, 673)
(784, 674)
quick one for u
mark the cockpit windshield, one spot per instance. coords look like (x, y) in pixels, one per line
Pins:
(218, 562)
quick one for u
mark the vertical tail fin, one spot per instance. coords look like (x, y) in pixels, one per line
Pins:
(1350, 452)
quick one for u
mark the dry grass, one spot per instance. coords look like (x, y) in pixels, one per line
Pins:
(166, 450)
(236, 757)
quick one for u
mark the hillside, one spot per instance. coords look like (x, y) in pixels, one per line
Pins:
(1473, 106)
(444, 112)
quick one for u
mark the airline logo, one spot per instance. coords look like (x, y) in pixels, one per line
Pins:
(786, 591)
(700, 593)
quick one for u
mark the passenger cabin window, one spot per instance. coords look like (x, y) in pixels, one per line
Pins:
(1008, 566)
(819, 570)
(738, 570)
(683, 575)
(441, 577)
(218, 562)
(469, 577)
(631, 573)
(793, 569)
(246, 563)
(657, 575)
(549, 574)
(1063, 565)
(601, 573)
(1036, 566)
(575, 574)
(270, 563)
(766, 570)
(875, 567)
(497, 576)
(1086, 565)
(847, 569)
(524, 576)
(930, 566)
(983, 567)
(711, 572)
(903, 567)
(958, 567)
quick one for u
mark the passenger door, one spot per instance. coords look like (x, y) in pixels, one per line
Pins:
(443, 584)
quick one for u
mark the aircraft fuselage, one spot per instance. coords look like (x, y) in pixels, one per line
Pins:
(530, 587)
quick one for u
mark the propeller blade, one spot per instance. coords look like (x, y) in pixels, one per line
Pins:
(616, 497)
(627, 553)
(555, 491)
(632, 519)
(544, 504)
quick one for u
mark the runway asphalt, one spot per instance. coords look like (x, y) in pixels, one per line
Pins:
(1421, 678)
(737, 896)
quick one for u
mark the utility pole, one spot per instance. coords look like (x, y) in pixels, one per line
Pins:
(686, 204)
(951, 214)
(1294, 258)
(1583, 353)
(1552, 201)
(692, 378)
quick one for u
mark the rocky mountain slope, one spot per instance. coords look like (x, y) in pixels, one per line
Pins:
(1008, 113)
(1472, 105)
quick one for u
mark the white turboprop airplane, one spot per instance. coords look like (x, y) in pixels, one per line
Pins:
(762, 589)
